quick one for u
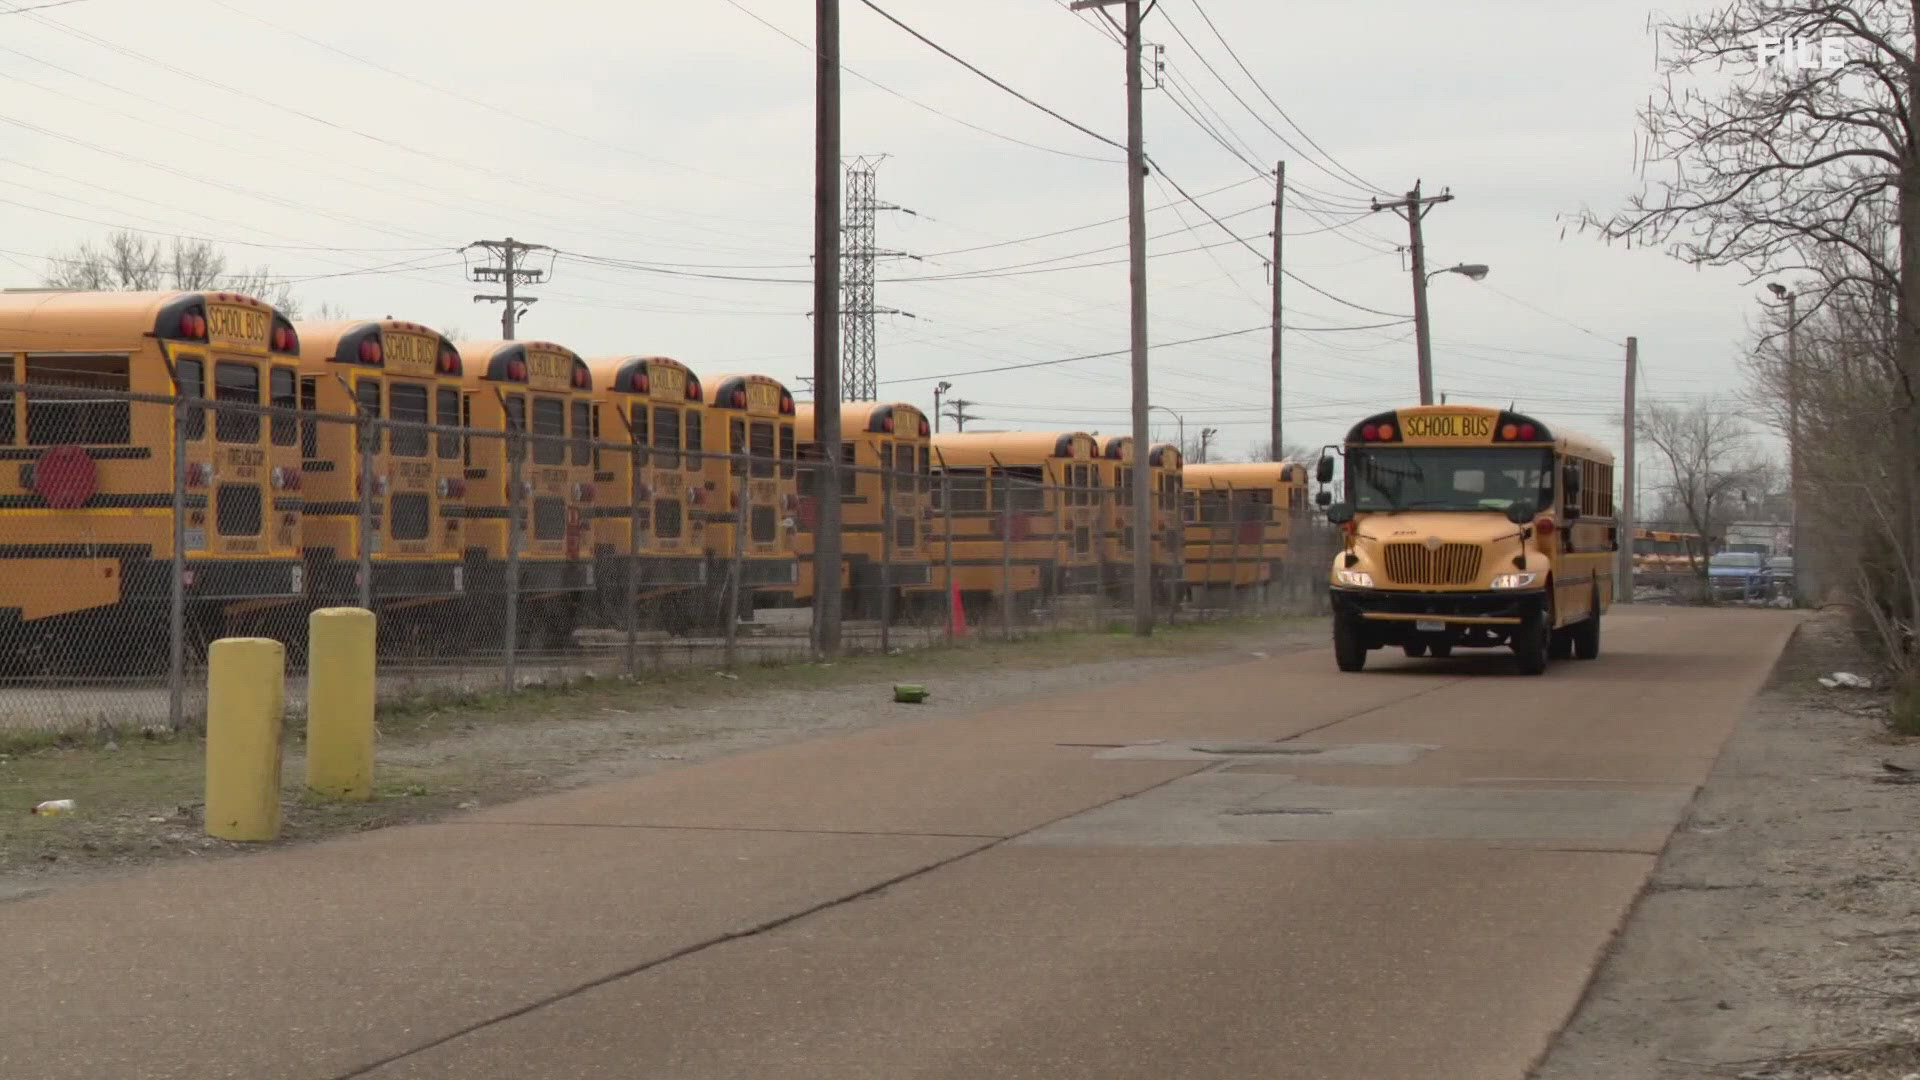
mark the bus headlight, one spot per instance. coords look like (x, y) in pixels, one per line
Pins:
(1515, 581)
(1359, 579)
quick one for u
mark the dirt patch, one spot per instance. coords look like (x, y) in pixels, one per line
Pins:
(139, 799)
(1779, 937)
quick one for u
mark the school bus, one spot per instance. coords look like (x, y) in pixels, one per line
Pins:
(652, 403)
(1659, 551)
(880, 520)
(1471, 526)
(1239, 522)
(1113, 500)
(1023, 514)
(86, 502)
(404, 373)
(751, 416)
(543, 394)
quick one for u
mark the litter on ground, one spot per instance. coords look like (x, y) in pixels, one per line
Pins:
(1847, 679)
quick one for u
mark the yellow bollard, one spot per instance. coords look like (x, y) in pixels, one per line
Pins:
(340, 670)
(246, 695)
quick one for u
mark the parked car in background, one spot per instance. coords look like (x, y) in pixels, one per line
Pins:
(1737, 575)
(1780, 580)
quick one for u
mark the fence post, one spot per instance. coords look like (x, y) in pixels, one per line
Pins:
(1213, 539)
(516, 449)
(1006, 555)
(946, 514)
(177, 588)
(246, 696)
(368, 429)
(634, 499)
(886, 557)
(738, 567)
(1234, 601)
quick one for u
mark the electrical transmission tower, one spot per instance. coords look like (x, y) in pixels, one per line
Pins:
(859, 371)
(509, 274)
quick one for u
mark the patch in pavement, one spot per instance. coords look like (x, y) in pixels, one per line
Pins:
(1283, 753)
(1217, 807)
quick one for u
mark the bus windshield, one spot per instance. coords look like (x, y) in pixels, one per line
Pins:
(1449, 478)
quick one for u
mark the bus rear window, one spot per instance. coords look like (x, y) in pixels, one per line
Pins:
(666, 437)
(446, 412)
(761, 447)
(78, 418)
(239, 384)
(549, 431)
(281, 394)
(407, 403)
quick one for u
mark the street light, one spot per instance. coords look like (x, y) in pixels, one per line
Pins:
(1183, 425)
(939, 388)
(1793, 423)
(1423, 343)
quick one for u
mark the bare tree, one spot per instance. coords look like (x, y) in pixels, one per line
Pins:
(128, 261)
(1710, 466)
(1288, 452)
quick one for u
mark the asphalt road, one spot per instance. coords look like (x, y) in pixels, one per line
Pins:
(1263, 869)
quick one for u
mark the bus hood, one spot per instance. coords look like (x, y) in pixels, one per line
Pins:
(1453, 526)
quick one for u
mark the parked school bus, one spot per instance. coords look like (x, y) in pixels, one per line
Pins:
(750, 415)
(1015, 528)
(1112, 493)
(542, 393)
(408, 374)
(87, 493)
(883, 520)
(1471, 526)
(1239, 521)
(654, 404)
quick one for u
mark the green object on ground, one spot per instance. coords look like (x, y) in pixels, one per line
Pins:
(911, 693)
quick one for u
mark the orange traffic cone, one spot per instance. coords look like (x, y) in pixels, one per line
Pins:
(957, 620)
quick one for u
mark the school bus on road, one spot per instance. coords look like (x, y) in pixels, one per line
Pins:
(1470, 526)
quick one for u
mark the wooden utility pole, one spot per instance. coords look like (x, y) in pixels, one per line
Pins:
(1137, 275)
(1623, 570)
(1414, 208)
(826, 324)
(508, 274)
(1275, 453)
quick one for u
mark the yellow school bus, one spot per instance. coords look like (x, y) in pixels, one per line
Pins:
(1112, 494)
(1471, 526)
(1239, 520)
(751, 416)
(895, 438)
(653, 404)
(404, 373)
(86, 497)
(544, 393)
(1023, 514)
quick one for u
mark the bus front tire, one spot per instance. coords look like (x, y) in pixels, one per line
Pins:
(1560, 644)
(1586, 635)
(1349, 648)
(1531, 643)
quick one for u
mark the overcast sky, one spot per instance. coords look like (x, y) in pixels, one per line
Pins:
(359, 144)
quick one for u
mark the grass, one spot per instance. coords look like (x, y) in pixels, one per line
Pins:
(138, 795)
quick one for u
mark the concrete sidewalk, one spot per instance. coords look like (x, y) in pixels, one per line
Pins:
(1024, 892)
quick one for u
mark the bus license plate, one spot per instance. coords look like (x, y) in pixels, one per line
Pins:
(1430, 626)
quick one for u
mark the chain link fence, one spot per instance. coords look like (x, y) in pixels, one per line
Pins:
(141, 528)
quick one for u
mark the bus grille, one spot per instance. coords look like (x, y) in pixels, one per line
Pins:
(1452, 564)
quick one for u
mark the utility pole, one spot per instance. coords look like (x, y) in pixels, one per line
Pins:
(1793, 439)
(939, 388)
(1623, 571)
(1414, 208)
(508, 275)
(1274, 453)
(1137, 275)
(826, 327)
(958, 412)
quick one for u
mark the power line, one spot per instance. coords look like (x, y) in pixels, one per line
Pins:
(942, 50)
(1551, 315)
(38, 7)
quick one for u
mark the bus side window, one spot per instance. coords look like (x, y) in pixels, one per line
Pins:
(586, 429)
(737, 446)
(52, 421)
(803, 477)
(886, 466)
(366, 394)
(926, 468)
(786, 451)
(6, 402)
(638, 434)
(309, 429)
(466, 421)
(848, 478)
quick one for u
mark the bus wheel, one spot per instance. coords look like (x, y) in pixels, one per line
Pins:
(1531, 644)
(1560, 644)
(1349, 648)
(1586, 634)
(1418, 648)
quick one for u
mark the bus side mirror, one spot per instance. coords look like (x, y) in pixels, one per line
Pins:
(1324, 471)
(1323, 499)
(1340, 513)
(1520, 512)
